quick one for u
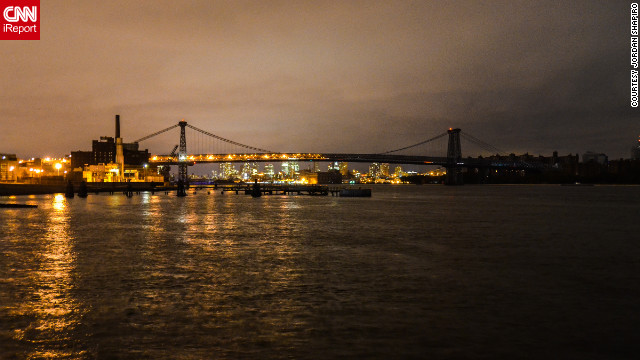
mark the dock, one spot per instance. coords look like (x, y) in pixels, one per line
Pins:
(17, 206)
(284, 189)
(132, 188)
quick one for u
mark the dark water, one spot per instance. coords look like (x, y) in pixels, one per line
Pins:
(414, 272)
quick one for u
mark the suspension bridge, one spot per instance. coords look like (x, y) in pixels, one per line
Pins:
(206, 152)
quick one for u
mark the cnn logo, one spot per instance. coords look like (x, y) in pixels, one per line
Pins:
(15, 14)
(20, 20)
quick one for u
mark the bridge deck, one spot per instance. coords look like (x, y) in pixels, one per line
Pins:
(364, 158)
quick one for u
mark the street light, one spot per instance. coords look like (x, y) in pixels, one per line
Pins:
(145, 172)
(58, 166)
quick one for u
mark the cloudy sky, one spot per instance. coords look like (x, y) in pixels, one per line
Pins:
(331, 76)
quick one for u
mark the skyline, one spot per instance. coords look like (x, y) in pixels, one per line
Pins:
(356, 76)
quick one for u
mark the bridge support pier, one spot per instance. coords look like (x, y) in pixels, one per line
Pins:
(454, 156)
(181, 190)
(182, 154)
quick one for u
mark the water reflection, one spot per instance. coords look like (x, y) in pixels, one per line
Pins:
(51, 305)
(152, 213)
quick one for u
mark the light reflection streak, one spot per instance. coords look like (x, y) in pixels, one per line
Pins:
(152, 213)
(53, 306)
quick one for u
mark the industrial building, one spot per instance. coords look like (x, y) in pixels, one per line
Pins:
(112, 160)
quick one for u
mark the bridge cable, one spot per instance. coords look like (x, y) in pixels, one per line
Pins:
(482, 144)
(156, 133)
(414, 145)
(229, 141)
(492, 148)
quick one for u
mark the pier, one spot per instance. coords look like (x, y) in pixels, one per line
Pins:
(284, 189)
(137, 187)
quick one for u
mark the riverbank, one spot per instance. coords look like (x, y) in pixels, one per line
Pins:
(8, 189)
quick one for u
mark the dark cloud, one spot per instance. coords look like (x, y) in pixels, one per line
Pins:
(362, 76)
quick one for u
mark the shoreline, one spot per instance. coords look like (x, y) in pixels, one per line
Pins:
(13, 189)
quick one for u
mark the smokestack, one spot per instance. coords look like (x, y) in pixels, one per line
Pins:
(117, 126)
(119, 150)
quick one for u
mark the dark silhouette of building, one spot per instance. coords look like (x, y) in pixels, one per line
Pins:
(329, 177)
(104, 151)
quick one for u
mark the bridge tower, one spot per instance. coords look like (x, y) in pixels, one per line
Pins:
(182, 153)
(454, 156)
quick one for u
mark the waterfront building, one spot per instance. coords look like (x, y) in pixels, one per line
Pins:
(103, 151)
(111, 173)
(8, 167)
(321, 177)
(132, 163)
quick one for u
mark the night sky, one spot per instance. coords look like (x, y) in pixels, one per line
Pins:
(325, 76)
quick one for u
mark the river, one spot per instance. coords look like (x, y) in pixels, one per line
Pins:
(435, 272)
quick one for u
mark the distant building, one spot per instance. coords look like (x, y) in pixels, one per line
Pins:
(228, 171)
(397, 172)
(290, 169)
(597, 158)
(249, 170)
(294, 169)
(635, 151)
(269, 172)
(384, 169)
(329, 177)
(374, 170)
(343, 167)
